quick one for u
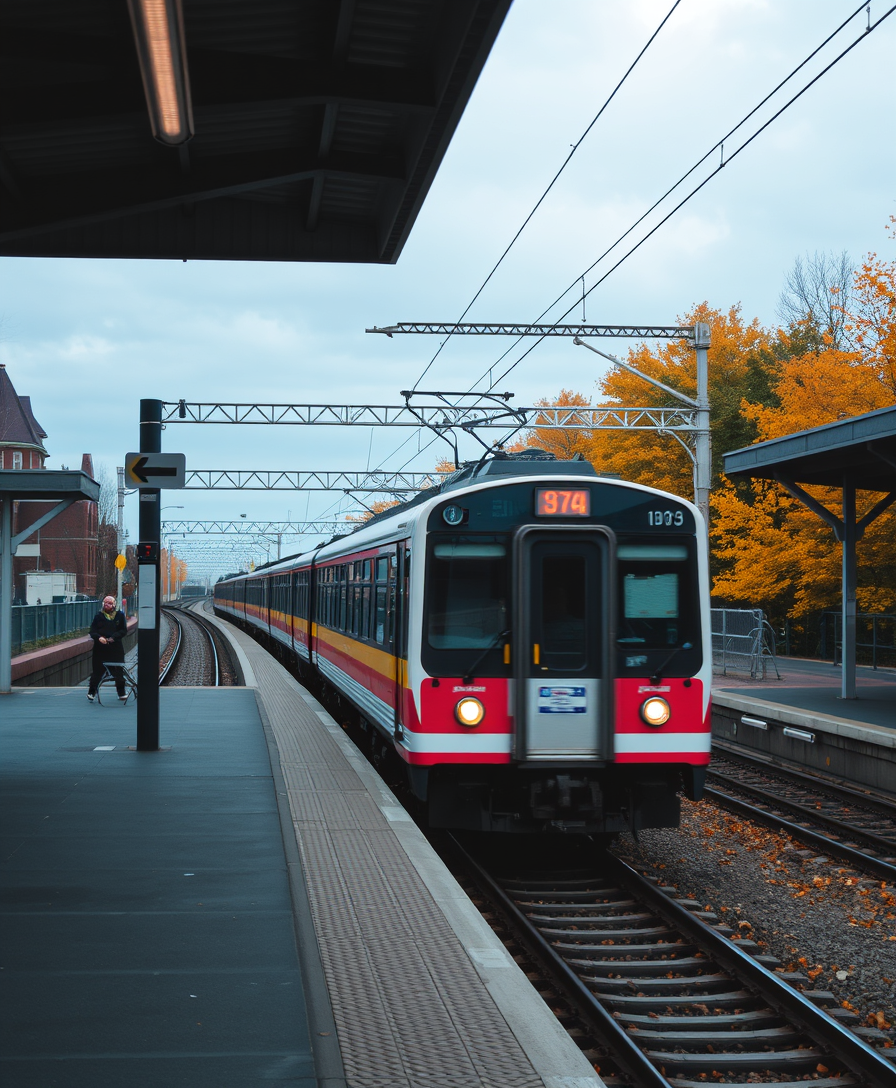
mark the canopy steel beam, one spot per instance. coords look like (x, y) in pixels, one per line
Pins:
(262, 480)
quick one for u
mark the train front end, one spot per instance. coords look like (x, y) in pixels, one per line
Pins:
(559, 660)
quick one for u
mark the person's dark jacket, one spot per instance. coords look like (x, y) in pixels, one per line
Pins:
(114, 629)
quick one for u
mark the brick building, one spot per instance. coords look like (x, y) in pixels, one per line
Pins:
(70, 541)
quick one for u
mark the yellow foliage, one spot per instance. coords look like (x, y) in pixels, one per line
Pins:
(773, 550)
(768, 549)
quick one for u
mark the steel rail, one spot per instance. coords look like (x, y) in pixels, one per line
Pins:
(631, 1057)
(880, 868)
(834, 823)
(823, 1029)
(197, 621)
(830, 1037)
(163, 675)
(209, 634)
(755, 760)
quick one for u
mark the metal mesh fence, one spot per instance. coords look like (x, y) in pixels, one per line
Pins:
(34, 622)
(742, 641)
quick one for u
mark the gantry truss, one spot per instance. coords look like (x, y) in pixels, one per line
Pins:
(476, 328)
(439, 416)
(262, 480)
(257, 528)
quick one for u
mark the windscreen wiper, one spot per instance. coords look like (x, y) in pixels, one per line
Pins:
(655, 679)
(467, 677)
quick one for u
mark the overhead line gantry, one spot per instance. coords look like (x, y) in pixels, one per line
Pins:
(282, 480)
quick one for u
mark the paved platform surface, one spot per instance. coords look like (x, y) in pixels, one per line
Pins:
(814, 686)
(423, 993)
(159, 929)
(147, 924)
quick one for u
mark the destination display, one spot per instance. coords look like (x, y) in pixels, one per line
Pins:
(573, 502)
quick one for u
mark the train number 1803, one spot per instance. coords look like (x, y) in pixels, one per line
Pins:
(665, 517)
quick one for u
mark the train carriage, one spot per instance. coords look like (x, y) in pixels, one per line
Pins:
(531, 639)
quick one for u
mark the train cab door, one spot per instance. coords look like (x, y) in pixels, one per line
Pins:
(563, 643)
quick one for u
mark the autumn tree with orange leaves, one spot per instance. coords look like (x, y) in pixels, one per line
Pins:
(768, 550)
(772, 549)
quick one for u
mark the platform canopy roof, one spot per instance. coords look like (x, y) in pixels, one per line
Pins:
(854, 454)
(43, 485)
(864, 447)
(318, 127)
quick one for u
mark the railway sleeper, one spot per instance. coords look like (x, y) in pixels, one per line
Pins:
(586, 929)
(845, 1081)
(770, 1036)
(654, 994)
(803, 1060)
(686, 968)
(754, 1019)
(604, 919)
(668, 953)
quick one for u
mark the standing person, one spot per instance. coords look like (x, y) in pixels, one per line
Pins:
(107, 631)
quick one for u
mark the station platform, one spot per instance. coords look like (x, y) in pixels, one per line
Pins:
(802, 720)
(249, 905)
(814, 687)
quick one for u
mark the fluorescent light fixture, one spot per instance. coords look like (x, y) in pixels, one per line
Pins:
(159, 34)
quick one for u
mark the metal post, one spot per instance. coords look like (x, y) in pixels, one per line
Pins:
(6, 588)
(149, 587)
(703, 442)
(120, 531)
(850, 582)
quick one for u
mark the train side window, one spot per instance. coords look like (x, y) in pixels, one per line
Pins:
(380, 628)
(364, 627)
(353, 609)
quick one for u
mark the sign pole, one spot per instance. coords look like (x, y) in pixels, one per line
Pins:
(148, 588)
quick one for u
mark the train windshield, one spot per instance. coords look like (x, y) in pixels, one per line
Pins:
(655, 586)
(467, 592)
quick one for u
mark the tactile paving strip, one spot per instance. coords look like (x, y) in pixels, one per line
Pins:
(410, 1009)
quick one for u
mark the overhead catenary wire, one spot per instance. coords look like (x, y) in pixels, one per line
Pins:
(493, 382)
(526, 221)
(721, 165)
(553, 181)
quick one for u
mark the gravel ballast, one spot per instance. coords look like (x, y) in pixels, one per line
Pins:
(816, 915)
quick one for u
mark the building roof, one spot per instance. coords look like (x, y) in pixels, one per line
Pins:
(319, 127)
(863, 447)
(18, 427)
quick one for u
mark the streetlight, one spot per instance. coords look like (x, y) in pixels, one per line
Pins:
(168, 557)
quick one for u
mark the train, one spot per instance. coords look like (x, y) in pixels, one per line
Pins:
(193, 591)
(531, 639)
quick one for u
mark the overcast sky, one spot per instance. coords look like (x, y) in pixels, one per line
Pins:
(87, 339)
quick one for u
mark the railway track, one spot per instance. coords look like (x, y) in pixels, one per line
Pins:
(673, 997)
(193, 655)
(855, 826)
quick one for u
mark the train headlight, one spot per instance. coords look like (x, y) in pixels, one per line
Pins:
(655, 711)
(469, 712)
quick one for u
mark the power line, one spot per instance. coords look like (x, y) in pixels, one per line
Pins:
(538, 203)
(716, 146)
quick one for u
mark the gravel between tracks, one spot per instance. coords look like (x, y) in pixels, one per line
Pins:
(814, 914)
